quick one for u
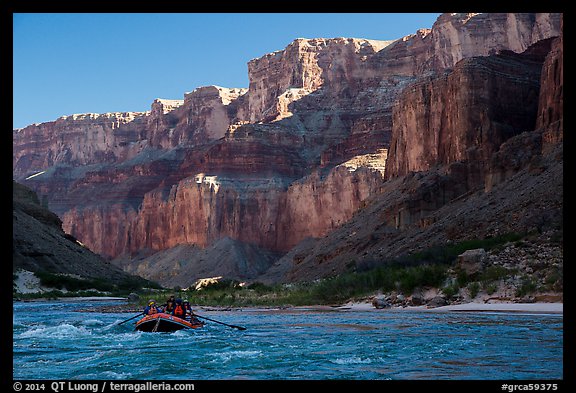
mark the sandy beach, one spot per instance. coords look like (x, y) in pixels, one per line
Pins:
(533, 308)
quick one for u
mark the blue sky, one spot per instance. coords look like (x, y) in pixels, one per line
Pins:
(80, 63)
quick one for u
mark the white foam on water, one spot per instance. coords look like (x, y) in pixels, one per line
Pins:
(120, 338)
(115, 324)
(115, 375)
(105, 374)
(93, 322)
(87, 359)
(61, 331)
(351, 360)
(181, 333)
(229, 355)
(15, 323)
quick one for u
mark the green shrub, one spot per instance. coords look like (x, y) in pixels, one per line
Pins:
(427, 268)
(557, 237)
(259, 287)
(490, 288)
(462, 278)
(474, 288)
(384, 278)
(527, 286)
(494, 273)
(451, 290)
(135, 284)
(552, 277)
(73, 284)
(447, 253)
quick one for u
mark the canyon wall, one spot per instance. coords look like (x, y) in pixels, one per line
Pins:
(514, 186)
(203, 209)
(296, 154)
(457, 36)
(204, 115)
(40, 245)
(467, 113)
(551, 105)
(305, 66)
(340, 73)
(78, 140)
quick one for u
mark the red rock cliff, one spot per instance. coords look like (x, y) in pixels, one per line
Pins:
(466, 113)
(203, 116)
(247, 163)
(78, 140)
(203, 209)
(551, 105)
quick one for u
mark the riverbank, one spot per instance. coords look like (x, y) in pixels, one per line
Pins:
(536, 308)
(503, 307)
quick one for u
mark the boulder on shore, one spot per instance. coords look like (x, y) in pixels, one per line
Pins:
(380, 302)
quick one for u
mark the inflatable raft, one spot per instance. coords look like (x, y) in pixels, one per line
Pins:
(162, 322)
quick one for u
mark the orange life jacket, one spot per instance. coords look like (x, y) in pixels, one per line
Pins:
(179, 311)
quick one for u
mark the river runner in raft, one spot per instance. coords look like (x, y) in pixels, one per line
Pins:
(169, 305)
(152, 308)
(189, 312)
(179, 310)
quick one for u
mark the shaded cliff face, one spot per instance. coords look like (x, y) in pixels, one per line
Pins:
(226, 257)
(40, 244)
(272, 164)
(467, 113)
(551, 105)
(436, 208)
(551, 97)
(517, 153)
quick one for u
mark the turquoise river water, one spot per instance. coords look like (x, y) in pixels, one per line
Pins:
(52, 340)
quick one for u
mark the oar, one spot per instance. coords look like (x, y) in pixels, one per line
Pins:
(129, 319)
(221, 323)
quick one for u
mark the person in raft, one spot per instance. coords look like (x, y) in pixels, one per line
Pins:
(189, 312)
(179, 310)
(169, 305)
(152, 308)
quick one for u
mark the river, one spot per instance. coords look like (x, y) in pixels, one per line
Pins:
(52, 340)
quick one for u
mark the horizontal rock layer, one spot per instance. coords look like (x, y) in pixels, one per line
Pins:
(202, 209)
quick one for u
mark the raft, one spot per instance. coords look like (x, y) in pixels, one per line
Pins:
(162, 322)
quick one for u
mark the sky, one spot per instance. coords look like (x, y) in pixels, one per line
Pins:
(69, 63)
